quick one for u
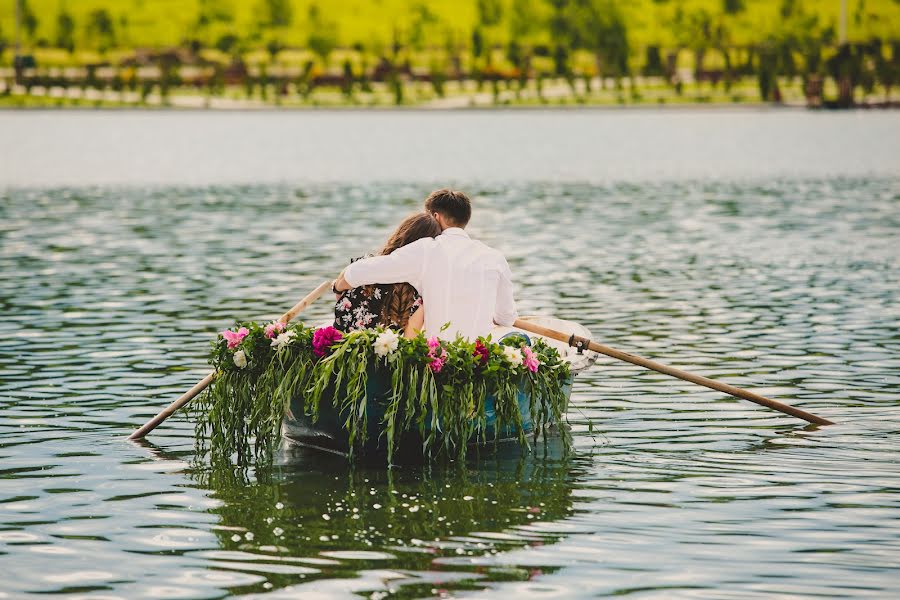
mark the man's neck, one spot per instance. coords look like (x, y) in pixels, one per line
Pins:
(454, 231)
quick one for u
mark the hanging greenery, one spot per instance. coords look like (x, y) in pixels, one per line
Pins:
(439, 388)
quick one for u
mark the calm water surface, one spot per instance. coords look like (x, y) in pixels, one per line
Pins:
(134, 147)
(786, 284)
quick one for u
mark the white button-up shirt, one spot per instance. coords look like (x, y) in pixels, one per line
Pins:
(463, 282)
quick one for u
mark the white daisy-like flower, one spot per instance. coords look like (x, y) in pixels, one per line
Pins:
(240, 359)
(513, 355)
(283, 340)
(386, 343)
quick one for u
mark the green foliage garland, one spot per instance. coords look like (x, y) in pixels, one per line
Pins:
(438, 388)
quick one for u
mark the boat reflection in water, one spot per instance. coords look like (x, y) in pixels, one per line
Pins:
(314, 522)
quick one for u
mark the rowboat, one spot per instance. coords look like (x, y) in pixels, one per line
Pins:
(327, 433)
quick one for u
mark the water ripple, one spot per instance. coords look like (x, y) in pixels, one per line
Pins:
(789, 287)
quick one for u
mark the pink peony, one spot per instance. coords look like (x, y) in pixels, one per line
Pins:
(273, 329)
(530, 361)
(437, 362)
(436, 365)
(234, 338)
(324, 338)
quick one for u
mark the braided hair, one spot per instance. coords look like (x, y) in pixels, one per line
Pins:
(399, 297)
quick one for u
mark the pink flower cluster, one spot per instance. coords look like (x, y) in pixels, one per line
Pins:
(530, 360)
(324, 338)
(234, 337)
(273, 329)
(437, 362)
(481, 353)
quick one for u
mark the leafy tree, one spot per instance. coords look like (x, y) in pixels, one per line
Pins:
(886, 69)
(490, 12)
(227, 43)
(65, 31)
(101, 29)
(454, 51)
(349, 80)
(524, 19)
(767, 74)
(209, 14)
(514, 52)
(653, 65)
(561, 60)
(273, 47)
(438, 78)
(423, 20)
(562, 23)
(599, 26)
(702, 31)
(214, 11)
(323, 34)
(798, 33)
(29, 19)
(122, 31)
(788, 8)
(477, 42)
(277, 13)
(733, 7)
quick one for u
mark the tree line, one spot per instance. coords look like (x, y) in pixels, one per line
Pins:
(514, 42)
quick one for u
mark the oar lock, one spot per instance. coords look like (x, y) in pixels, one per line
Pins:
(579, 343)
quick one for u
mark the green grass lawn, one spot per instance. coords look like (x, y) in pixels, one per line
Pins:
(460, 95)
(33, 101)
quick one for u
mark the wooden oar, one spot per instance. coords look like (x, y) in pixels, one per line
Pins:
(204, 383)
(580, 342)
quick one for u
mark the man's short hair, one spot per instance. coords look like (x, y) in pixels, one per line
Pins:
(454, 206)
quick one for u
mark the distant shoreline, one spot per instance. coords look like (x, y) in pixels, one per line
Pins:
(674, 108)
(187, 103)
(682, 107)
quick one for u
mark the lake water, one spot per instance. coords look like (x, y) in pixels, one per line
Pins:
(756, 247)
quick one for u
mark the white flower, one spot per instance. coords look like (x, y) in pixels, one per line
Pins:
(283, 340)
(386, 343)
(240, 359)
(513, 355)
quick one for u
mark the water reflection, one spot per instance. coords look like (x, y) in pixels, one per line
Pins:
(313, 517)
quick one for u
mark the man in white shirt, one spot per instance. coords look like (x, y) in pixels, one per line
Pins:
(464, 283)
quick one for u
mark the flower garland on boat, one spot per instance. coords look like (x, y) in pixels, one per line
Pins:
(438, 387)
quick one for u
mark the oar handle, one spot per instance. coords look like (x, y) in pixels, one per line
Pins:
(667, 370)
(204, 383)
(305, 302)
(170, 409)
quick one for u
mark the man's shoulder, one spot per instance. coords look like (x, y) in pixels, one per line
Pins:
(487, 251)
(485, 247)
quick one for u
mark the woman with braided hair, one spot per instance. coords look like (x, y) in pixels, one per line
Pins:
(387, 305)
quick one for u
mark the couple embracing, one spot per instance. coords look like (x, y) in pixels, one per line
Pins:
(430, 276)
